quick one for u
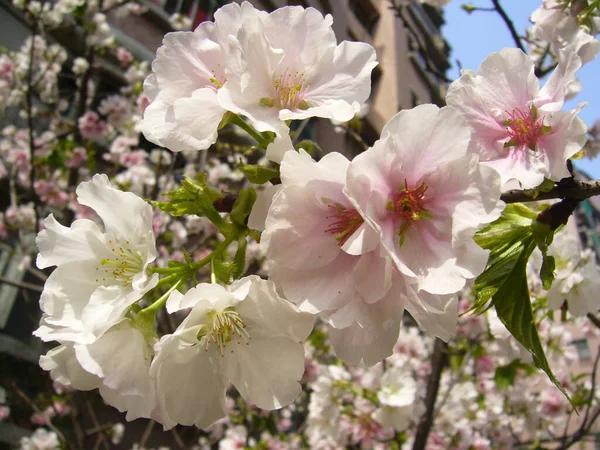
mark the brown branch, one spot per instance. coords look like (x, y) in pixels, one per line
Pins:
(438, 362)
(558, 214)
(80, 110)
(100, 438)
(510, 25)
(29, 111)
(594, 319)
(33, 406)
(569, 188)
(21, 284)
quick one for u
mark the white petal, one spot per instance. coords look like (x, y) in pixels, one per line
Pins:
(271, 313)
(267, 371)
(123, 213)
(58, 244)
(65, 369)
(175, 367)
(260, 209)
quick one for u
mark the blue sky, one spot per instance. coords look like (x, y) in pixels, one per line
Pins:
(473, 36)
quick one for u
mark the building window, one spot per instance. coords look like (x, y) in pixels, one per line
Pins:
(583, 349)
(366, 13)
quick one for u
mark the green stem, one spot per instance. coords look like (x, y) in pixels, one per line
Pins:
(213, 276)
(216, 252)
(237, 120)
(171, 278)
(146, 316)
(164, 270)
(177, 272)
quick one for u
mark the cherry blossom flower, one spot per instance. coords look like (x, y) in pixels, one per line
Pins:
(518, 128)
(329, 261)
(399, 399)
(426, 197)
(557, 25)
(189, 69)
(250, 336)
(579, 288)
(41, 439)
(99, 275)
(117, 363)
(288, 66)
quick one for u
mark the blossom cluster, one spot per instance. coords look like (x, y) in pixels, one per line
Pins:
(352, 246)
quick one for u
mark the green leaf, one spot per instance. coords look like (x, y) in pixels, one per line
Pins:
(513, 306)
(505, 376)
(546, 186)
(511, 241)
(258, 174)
(308, 146)
(224, 270)
(455, 360)
(240, 257)
(543, 236)
(468, 7)
(547, 271)
(243, 206)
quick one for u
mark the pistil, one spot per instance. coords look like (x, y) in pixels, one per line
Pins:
(408, 205)
(525, 128)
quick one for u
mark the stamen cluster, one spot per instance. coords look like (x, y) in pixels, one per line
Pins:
(346, 222)
(409, 206)
(289, 91)
(226, 326)
(524, 128)
(126, 264)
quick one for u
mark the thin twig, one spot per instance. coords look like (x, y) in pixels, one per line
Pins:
(21, 284)
(147, 432)
(592, 388)
(177, 438)
(594, 319)
(509, 23)
(454, 380)
(79, 436)
(33, 406)
(100, 437)
(29, 111)
(37, 273)
(299, 130)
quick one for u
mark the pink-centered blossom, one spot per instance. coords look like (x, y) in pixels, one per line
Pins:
(426, 197)
(519, 129)
(329, 261)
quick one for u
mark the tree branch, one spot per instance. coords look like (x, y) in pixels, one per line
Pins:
(438, 362)
(509, 23)
(569, 188)
(21, 284)
(29, 111)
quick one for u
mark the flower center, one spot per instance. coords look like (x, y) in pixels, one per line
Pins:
(125, 264)
(345, 222)
(289, 91)
(408, 206)
(524, 128)
(217, 79)
(225, 327)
